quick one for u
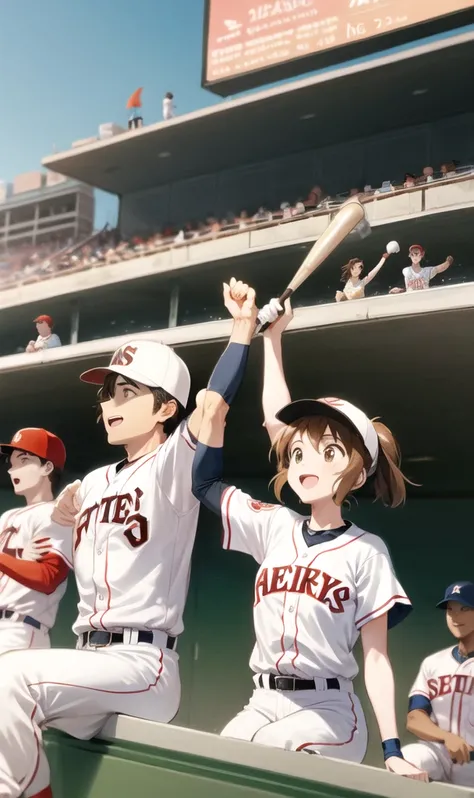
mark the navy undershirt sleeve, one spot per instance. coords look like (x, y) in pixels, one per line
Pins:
(208, 467)
(229, 371)
(420, 702)
(208, 462)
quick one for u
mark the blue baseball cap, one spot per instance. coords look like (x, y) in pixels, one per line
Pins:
(463, 592)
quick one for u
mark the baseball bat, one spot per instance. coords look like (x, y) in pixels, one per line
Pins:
(345, 221)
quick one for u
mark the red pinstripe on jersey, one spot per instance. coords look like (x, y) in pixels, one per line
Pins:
(226, 526)
(386, 606)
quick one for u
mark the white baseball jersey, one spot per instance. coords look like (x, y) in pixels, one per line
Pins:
(17, 528)
(134, 539)
(417, 281)
(355, 289)
(47, 341)
(310, 601)
(446, 679)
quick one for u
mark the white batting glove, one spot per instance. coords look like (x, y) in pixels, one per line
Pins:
(67, 505)
(270, 312)
(36, 548)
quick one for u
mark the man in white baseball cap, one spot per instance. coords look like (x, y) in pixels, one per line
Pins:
(135, 523)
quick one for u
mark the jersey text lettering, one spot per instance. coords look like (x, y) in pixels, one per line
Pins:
(298, 579)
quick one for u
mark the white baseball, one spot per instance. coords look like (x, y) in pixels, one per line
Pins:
(393, 247)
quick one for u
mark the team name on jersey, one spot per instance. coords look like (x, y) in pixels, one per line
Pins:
(121, 510)
(450, 683)
(306, 581)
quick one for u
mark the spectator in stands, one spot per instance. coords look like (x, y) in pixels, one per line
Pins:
(385, 188)
(417, 277)
(263, 215)
(410, 181)
(315, 196)
(243, 220)
(448, 169)
(354, 192)
(286, 210)
(168, 106)
(428, 175)
(354, 286)
(299, 208)
(46, 338)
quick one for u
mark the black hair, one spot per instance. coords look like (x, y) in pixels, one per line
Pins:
(54, 477)
(160, 396)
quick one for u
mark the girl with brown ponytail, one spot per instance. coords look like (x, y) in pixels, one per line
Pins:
(322, 581)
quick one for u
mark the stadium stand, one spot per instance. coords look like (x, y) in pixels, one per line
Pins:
(106, 246)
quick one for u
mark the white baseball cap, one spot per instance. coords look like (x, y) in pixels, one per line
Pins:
(150, 363)
(335, 408)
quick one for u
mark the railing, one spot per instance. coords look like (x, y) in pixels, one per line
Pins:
(327, 206)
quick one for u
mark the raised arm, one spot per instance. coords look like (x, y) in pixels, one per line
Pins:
(374, 272)
(442, 266)
(275, 394)
(214, 404)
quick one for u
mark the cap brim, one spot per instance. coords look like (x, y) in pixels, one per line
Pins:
(6, 448)
(310, 407)
(98, 375)
(442, 605)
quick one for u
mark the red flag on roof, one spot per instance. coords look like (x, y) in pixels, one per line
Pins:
(135, 99)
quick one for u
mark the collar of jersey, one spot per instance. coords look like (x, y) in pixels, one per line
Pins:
(125, 462)
(314, 538)
(460, 657)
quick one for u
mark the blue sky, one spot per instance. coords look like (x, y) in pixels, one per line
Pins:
(68, 65)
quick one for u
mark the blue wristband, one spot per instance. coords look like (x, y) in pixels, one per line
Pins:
(391, 748)
(229, 372)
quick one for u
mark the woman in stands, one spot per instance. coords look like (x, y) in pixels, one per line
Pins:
(354, 284)
(322, 581)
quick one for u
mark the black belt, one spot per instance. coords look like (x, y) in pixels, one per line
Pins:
(99, 639)
(290, 683)
(7, 614)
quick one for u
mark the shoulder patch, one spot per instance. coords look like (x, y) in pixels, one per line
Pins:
(257, 506)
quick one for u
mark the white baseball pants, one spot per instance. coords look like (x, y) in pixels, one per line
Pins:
(18, 635)
(75, 691)
(326, 722)
(434, 758)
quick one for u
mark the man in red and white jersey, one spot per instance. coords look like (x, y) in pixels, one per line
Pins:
(35, 552)
(135, 524)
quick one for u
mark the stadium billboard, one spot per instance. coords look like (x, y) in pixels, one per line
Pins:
(249, 43)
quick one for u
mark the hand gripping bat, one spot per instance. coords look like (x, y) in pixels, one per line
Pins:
(348, 218)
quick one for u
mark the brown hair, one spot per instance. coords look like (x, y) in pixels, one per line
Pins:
(389, 481)
(160, 397)
(346, 269)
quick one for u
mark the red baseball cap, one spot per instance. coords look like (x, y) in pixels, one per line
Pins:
(417, 246)
(39, 442)
(45, 318)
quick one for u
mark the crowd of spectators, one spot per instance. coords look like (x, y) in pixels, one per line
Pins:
(107, 247)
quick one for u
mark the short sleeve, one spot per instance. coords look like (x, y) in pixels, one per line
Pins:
(174, 469)
(419, 695)
(246, 523)
(420, 685)
(379, 591)
(61, 537)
